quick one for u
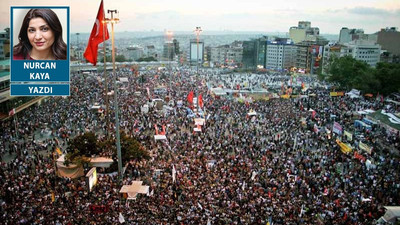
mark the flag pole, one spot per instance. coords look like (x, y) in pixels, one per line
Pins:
(105, 78)
(117, 135)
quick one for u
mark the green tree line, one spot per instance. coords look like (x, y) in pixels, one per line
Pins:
(351, 73)
(82, 147)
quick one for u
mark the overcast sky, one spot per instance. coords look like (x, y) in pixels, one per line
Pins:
(233, 15)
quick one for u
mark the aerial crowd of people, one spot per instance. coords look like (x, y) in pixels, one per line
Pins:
(279, 165)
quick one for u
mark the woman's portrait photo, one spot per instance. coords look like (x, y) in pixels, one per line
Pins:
(39, 34)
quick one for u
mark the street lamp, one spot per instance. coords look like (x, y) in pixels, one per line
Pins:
(169, 34)
(198, 31)
(113, 20)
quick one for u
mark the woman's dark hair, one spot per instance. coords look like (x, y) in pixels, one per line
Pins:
(59, 47)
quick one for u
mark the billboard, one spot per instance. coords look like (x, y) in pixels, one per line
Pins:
(91, 178)
(193, 51)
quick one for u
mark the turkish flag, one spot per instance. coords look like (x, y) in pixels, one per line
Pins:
(99, 34)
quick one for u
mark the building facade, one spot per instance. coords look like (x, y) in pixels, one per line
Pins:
(196, 52)
(366, 51)
(303, 32)
(389, 40)
(134, 52)
(227, 55)
(280, 54)
(309, 55)
(5, 44)
(150, 51)
(168, 51)
(254, 52)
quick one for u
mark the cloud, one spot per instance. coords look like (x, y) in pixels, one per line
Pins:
(368, 11)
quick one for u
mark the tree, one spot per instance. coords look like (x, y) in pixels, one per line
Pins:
(81, 147)
(388, 78)
(146, 59)
(131, 149)
(351, 73)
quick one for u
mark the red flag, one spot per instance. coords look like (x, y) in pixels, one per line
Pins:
(163, 130)
(190, 97)
(201, 101)
(96, 37)
(156, 127)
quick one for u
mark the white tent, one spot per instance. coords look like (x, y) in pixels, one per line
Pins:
(70, 171)
(101, 162)
(134, 189)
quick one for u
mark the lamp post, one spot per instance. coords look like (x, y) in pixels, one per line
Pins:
(113, 20)
(169, 34)
(198, 31)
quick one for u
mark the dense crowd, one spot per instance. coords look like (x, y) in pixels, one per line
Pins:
(273, 167)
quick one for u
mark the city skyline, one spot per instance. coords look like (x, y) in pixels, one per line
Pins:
(252, 15)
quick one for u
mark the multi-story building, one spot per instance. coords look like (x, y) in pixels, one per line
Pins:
(366, 51)
(176, 46)
(389, 40)
(362, 50)
(309, 55)
(168, 51)
(134, 52)
(207, 56)
(303, 32)
(347, 35)
(7, 102)
(227, 55)
(196, 54)
(280, 53)
(331, 50)
(254, 52)
(5, 44)
(150, 51)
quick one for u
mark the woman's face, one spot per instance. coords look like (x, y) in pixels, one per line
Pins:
(40, 34)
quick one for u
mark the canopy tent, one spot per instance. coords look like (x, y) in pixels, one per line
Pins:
(102, 162)
(131, 191)
(70, 171)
